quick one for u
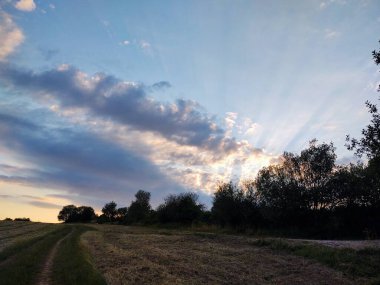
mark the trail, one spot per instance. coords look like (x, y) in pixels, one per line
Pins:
(45, 276)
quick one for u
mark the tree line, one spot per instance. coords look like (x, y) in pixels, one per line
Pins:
(306, 194)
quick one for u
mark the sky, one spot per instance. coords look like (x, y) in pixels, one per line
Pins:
(99, 99)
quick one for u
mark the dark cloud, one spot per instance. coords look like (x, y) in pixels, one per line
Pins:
(162, 85)
(77, 161)
(48, 54)
(183, 121)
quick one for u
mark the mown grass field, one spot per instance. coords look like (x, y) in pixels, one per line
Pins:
(36, 253)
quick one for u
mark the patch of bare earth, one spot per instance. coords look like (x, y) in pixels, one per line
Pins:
(128, 256)
(45, 276)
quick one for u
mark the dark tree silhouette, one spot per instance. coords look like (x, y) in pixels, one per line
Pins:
(109, 211)
(183, 208)
(121, 214)
(68, 214)
(85, 214)
(234, 206)
(73, 214)
(140, 209)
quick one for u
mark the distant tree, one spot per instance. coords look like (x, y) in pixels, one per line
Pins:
(139, 210)
(22, 220)
(85, 214)
(73, 214)
(68, 214)
(109, 210)
(288, 191)
(8, 219)
(183, 208)
(121, 214)
(235, 206)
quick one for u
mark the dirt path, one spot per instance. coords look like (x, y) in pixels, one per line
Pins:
(45, 276)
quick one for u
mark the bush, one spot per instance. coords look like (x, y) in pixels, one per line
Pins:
(182, 208)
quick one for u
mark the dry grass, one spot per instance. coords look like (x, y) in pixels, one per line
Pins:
(127, 255)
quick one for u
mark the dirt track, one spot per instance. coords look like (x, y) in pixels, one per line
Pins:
(45, 276)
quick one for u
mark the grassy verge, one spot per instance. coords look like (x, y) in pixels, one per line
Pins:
(72, 264)
(21, 262)
(355, 263)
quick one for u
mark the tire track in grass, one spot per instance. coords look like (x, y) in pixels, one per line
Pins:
(45, 277)
(23, 261)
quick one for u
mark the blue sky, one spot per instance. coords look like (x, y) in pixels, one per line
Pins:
(100, 98)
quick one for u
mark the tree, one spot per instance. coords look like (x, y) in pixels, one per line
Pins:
(85, 214)
(109, 210)
(139, 210)
(68, 214)
(121, 214)
(369, 145)
(289, 191)
(183, 208)
(73, 214)
(235, 206)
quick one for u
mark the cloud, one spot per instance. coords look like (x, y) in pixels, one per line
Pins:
(125, 42)
(331, 34)
(48, 54)
(124, 102)
(46, 205)
(162, 85)
(76, 161)
(25, 5)
(144, 45)
(10, 34)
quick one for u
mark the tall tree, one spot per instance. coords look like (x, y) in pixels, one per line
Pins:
(139, 210)
(109, 210)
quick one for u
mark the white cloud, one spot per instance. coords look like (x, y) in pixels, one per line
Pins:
(230, 119)
(125, 42)
(25, 5)
(52, 6)
(10, 34)
(331, 34)
(145, 45)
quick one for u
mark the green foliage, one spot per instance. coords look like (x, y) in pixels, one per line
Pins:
(72, 264)
(22, 262)
(357, 263)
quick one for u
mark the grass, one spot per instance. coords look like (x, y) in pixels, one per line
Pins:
(72, 264)
(21, 262)
(139, 255)
(355, 263)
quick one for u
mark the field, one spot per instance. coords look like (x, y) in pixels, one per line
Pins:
(36, 253)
